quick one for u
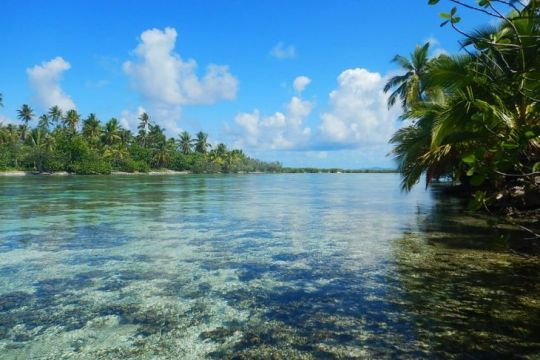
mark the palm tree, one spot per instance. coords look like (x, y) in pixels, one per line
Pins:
(39, 147)
(221, 149)
(91, 128)
(12, 138)
(162, 154)
(410, 86)
(186, 143)
(155, 136)
(483, 123)
(125, 137)
(44, 122)
(201, 143)
(55, 114)
(111, 133)
(144, 123)
(71, 120)
(25, 113)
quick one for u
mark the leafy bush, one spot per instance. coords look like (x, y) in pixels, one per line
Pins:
(130, 165)
(90, 167)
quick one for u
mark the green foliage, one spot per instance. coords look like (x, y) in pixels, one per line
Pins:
(90, 166)
(474, 118)
(130, 165)
(55, 144)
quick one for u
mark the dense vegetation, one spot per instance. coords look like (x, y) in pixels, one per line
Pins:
(59, 142)
(474, 117)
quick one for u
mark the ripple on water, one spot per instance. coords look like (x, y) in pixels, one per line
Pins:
(283, 266)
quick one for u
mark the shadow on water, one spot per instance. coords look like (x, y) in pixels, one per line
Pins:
(468, 295)
(451, 290)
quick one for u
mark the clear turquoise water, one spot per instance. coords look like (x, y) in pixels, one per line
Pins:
(256, 266)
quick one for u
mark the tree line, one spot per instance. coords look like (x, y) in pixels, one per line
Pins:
(474, 117)
(64, 141)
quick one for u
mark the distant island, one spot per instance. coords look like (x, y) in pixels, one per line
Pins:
(57, 145)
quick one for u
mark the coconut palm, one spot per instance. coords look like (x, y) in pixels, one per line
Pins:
(11, 137)
(116, 154)
(156, 136)
(484, 121)
(162, 154)
(38, 146)
(55, 113)
(125, 137)
(144, 124)
(111, 132)
(44, 122)
(201, 142)
(221, 149)
(409, 87)
(91, 128)
(71, 120)
(25, 114)
(186, 143)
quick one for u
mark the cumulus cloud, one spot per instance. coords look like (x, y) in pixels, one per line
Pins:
(278, 131)
(281, 51)
(357, 117)
(166, 81)
(435, 47)
(45, 80)
(358, 113)
(130, 119)
(165, 117)
(300, 83)
(4, 120)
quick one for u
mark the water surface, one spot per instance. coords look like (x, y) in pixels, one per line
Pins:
(256, 266)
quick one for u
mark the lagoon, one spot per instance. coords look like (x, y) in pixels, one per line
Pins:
(256, 266)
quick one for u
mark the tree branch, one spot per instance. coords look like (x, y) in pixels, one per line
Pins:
(474, 8)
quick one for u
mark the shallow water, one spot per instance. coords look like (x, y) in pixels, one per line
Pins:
(256, 266)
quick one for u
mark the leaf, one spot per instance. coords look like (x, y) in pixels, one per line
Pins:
(469, 159)
(456, 19)
(477, 200)
(477, 180)
(536, 167)
(445, 15)
(483, 3)
(453, 11)
(470, 172)
(444, 23)
(433, 2)
(509, 146)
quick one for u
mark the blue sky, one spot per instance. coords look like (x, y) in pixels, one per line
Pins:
(224, 67)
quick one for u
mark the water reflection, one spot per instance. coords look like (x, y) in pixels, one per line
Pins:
(468, 295)
(312, 266)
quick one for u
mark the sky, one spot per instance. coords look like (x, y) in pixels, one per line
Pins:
(298, 82)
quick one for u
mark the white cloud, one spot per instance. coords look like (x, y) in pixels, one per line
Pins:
(282, 51)
(300, 83)
(357, 122)
(45, 79)
(432, 41)
(4, 120)
(167, 82)
(439, 51)
(358, 113)
(435, 47)
(317, 154)
(129, 120)
(278, 131)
